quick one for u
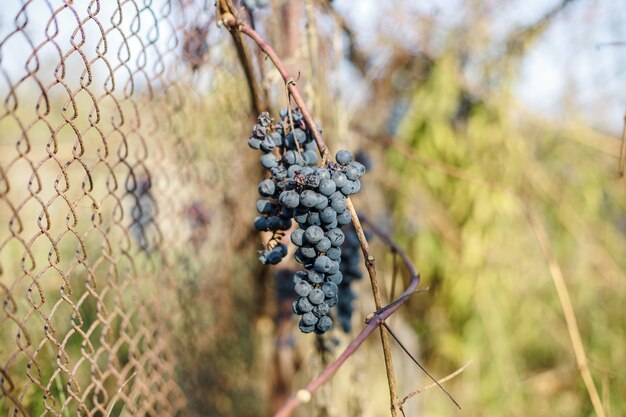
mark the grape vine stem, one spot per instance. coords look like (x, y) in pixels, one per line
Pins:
(257, 95)
(234, 24)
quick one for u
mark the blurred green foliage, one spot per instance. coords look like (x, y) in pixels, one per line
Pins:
(492, 298)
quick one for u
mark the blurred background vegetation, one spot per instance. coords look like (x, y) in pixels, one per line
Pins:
(494, 130)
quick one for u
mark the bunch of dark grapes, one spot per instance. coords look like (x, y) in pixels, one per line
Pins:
(286, 146)
(315, 198)
(351, 270)
(318, 198)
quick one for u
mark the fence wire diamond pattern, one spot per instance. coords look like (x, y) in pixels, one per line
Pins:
(96, 137)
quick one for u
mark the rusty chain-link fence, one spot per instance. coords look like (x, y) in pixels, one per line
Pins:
(100, 181)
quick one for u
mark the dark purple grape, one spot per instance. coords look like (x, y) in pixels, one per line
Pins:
(259, 131)
(293, 170)
(273, 257)
(316, 296)
(254, 143)
(314, 219)
(334, 253)
(309, 318)
(274, 223)
(323, 173)
(313, 180)
(327, 187)
(322, 202)
(299, 257)
(277, 138)
(330, 289)
(304, 328)
(315, 277)
(332, 301)
(282, 249)
(289, 199)
(308, 198)
(331, 226)
(291, 158)
(303, 288)
(267, 188)
(267, 144)
(339, 178)
(336, 237)
(264, 206)
(343, 157)
(324, 324)
(269, 161)
(328, 215)
(304, 305)
(297, 237)
(323, 245)
(352, 172)
(299, 276)
(310, 157)
(338, 204)
(301, 216)
(313, 234)
(323, 264)
(344, 218)
(335, 278)
(299, 136)
(279, 173)
(308, 252)
(321, 309)
(260, 224)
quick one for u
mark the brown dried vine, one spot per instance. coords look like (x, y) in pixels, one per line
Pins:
(376, 319)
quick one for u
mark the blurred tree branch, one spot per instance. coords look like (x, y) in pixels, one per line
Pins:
(433, 385)
(355, 55)
(622, 151)
(519, 41)
(566, 305)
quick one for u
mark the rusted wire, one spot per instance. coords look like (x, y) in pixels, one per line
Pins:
(96, 100)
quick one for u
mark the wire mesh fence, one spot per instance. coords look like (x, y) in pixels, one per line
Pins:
(98, 130)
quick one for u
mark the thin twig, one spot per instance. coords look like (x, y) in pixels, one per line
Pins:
(386, 326)
(119, 391)
(257, 94)
(371, 270)
(312, 51)
(355, 55)
(519, 40)
(568, 309)
(394, 275)
(622, 152)
(438, 383)
(259, 58)
(609, 44)
(232, 22)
